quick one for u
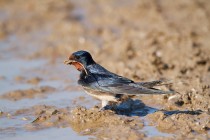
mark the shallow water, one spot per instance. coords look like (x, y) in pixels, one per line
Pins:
(51, 133)
(151, 131)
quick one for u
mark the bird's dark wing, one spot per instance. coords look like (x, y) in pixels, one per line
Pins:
(106, 81)
(120, 85)
(112, 80)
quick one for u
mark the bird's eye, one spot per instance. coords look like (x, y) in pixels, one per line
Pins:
(77, 57)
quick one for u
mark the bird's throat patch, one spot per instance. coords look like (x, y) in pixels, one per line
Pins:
(78, 66)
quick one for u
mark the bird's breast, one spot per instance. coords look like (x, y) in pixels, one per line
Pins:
(100, 95)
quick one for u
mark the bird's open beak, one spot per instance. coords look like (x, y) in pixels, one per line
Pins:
(79, 66)
(68, 62)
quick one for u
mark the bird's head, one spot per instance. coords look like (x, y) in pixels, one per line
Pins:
(80, 59)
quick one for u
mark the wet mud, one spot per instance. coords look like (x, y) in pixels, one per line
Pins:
(103, 124)
(139, 39)
(28, 93)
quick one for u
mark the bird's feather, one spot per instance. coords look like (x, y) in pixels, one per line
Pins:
(155, 83)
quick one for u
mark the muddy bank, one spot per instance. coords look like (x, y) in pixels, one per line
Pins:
(109, 124)
(28, 93)
(186, 124)
(102, 124)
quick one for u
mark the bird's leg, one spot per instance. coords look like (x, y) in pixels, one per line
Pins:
(104, 103)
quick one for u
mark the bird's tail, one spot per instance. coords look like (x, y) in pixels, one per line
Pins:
(158, 91)
(151, 84)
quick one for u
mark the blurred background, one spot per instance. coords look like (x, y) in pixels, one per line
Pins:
(140, 39)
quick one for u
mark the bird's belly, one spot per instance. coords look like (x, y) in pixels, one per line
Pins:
(101, 95)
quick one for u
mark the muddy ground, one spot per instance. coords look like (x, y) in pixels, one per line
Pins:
(142, 40)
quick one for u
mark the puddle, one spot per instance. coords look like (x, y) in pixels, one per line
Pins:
(51, 133)
(14, 67)
(151, 131)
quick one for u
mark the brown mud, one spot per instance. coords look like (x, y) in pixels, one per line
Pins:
(90, 122)
(139, 39)
(28, 93)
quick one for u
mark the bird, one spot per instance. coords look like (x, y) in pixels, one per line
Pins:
(105, 85)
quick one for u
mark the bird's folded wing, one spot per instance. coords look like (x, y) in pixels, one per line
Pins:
(132, 89)
(120, 85)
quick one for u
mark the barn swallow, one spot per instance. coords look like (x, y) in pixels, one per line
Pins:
(105, 85)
